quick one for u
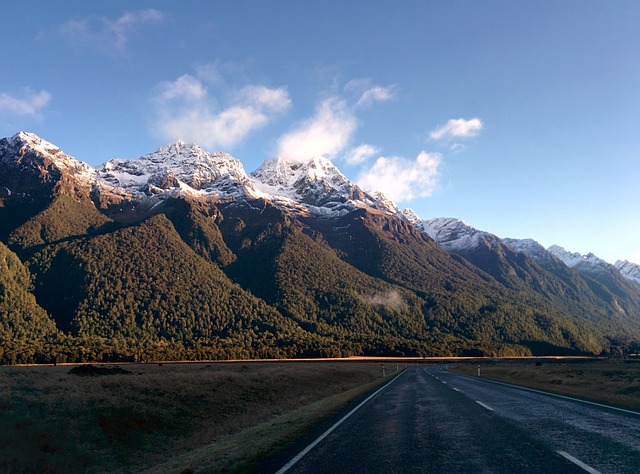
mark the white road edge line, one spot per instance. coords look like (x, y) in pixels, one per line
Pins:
(483, 405)
(577, 462)
(303, 453)
(553, 395)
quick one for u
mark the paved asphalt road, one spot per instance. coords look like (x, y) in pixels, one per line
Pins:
(432, 421)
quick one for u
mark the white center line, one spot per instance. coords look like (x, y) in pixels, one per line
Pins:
(455, 389)
(483, 405)
(577, 462)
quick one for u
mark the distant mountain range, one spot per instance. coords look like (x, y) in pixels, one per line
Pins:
(181, 254)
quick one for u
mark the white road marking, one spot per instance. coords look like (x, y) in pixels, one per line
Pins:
(553, 395)
(483, 405)
(302, 453)
(577, 462)
(456, 389)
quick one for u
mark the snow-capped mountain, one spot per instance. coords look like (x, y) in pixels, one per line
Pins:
(27, 151)
(316, 185)
(588, 263)
(511, 265)
(456, 235)
(623, 291)
(534, 250)
(629, 270)
(301, 240)
(178, 166)
(409, 215)
(528, 246)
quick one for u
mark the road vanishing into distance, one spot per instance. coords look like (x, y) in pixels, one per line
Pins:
(428, 420)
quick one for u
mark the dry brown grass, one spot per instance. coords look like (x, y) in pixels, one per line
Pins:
(167, 418)
(610, 381)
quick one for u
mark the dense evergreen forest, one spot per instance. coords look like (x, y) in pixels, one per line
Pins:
(233, 281)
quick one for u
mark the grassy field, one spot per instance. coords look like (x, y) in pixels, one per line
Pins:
(614, 382)
(176, 418)
(219, 417)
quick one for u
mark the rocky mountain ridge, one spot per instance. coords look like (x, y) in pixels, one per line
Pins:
(629, 270)
(316, 186)
(183, 253)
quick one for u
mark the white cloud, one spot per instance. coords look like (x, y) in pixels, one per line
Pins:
(185, 110)
(458, 128)
(360, 154)
(329, 131)
(375, 94)
(275, 100)
(368, 93)
(107, 36)
(402, 179)
(325, 134)
(390, 299)
(29, 105)
(185, 87)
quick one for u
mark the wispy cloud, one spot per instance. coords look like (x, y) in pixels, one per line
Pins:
(28, 104)
(330, 130)
(107, 36)
(325, 134)
(185, 109)
(360, 154)
(457, 128)
(403, 179)
(389, 299)
(369, 93)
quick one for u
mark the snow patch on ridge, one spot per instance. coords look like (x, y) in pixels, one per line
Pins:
(23, 143)
(589, 263)
(629, 270)
(181, 166)
(317, 185)
(454, 234)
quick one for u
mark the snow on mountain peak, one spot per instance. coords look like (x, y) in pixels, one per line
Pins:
(178, 165)
(455, 234)
(588, 262)
(44, 153)
(316, 185)
(529, 247)
(284, 174)
(32, 141)
(629, 270)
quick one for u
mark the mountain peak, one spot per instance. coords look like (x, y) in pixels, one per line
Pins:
(32, 141)
(282, 173)
(29, 151)
(629, 270)
(588, 262)
(316, 185)
(178, 165)
(455, 234)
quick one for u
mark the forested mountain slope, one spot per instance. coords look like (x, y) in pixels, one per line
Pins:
(182, 255)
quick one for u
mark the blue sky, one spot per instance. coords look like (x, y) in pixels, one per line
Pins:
(521, 118)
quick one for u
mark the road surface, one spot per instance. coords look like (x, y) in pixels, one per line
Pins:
(432, 421)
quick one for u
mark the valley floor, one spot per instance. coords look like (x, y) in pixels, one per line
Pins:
(223, 416)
